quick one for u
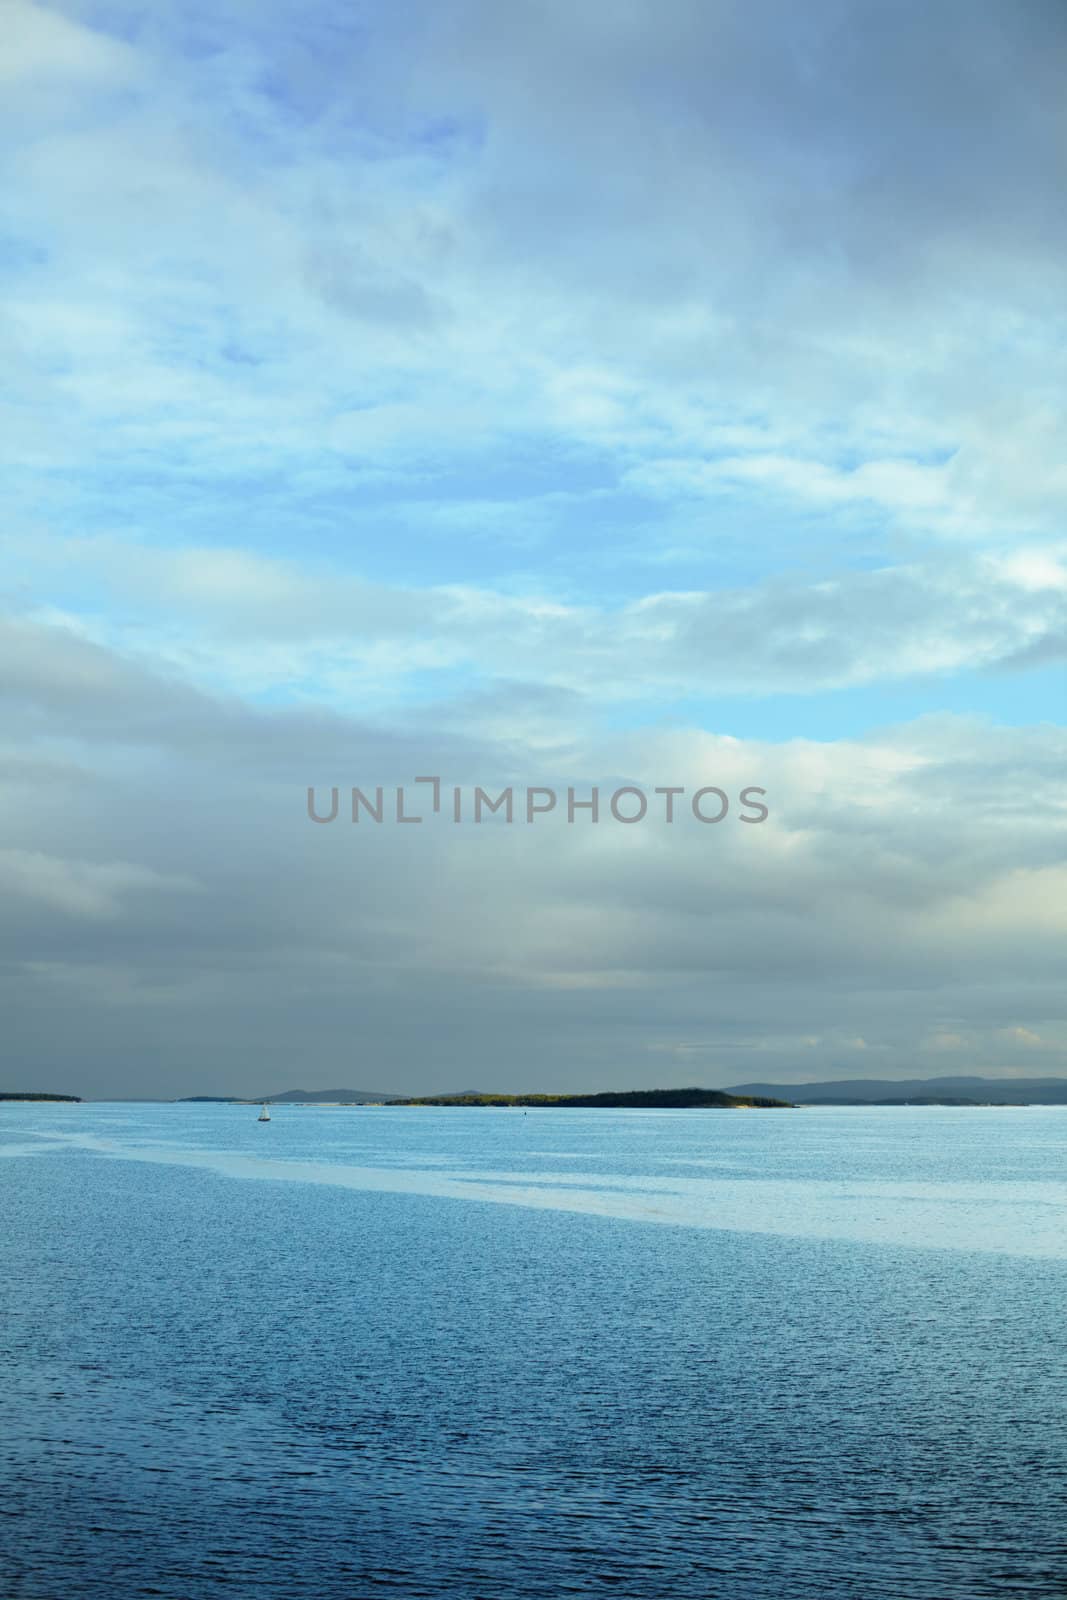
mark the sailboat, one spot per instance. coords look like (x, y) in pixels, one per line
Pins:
(264, 1115)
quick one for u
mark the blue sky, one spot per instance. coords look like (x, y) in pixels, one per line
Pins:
(564, 390)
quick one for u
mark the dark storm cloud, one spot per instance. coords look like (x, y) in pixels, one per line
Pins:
(870, 137)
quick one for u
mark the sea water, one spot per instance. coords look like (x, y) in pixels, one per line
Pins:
(481, 1353)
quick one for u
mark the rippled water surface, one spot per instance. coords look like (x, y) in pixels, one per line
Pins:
(486, 1354)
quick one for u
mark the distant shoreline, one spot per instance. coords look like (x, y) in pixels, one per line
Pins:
(990, 1094)
(617, 1099)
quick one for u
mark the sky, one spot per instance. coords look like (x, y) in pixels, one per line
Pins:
(549, 395)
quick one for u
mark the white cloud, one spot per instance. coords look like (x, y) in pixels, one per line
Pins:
(43, 49)
(241, 620)
(1026, 1036)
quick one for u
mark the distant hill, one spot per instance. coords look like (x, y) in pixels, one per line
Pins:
(346, 1097)
(622, 1099)
(917, 1091)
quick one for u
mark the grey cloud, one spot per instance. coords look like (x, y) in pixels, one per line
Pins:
(357, 290)
(765, 154)
(56, 683)
(230, 937)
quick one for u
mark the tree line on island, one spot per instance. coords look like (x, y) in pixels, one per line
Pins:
(74, 1099)
(622, 1099)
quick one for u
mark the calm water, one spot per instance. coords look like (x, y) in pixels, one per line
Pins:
(481, 1354)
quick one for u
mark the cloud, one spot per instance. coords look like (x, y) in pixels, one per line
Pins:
(903, 879)
(249, 622)
(46, 51)
(942, 1040)
(320, 245)
(79, 889)
(1025, 1036)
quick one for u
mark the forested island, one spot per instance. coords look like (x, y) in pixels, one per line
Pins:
(75, 1099)
(623, 1099)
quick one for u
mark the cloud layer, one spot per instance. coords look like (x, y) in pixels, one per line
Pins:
(531, 394)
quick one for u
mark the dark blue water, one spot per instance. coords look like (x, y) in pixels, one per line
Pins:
(484, 1355)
